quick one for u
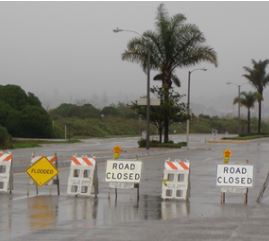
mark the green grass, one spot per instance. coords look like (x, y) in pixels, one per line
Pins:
(247, 137)
(94, 127)
(37, 143)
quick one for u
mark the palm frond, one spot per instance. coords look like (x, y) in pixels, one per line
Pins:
(247, 99)
(174, 44)
(199, 54)
(176, 80)
(257, 75)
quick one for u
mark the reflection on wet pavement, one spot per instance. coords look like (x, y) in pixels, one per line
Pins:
(5, 217)
(45, 212)
(104, 211)
(42, 212)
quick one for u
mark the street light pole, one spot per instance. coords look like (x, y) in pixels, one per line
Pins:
(239, 117)
(188, 109)
(148, 99)
(148, 81)
(188, 104)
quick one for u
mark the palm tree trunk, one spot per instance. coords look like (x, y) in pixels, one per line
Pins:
(160, 130)
(166, 115)
(260, 117)
(167, 84)
(248, 120)
(166, 128)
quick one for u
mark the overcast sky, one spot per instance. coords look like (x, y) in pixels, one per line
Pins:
(67, 51)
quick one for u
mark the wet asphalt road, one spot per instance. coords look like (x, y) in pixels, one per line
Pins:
(49, 217)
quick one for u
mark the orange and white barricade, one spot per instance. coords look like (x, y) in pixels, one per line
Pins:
(82, 176)
(176, 180)
(55, 181)
(6, 174)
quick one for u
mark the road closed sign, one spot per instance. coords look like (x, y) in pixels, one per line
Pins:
(42, 171)
(123, 171)
(235, 175)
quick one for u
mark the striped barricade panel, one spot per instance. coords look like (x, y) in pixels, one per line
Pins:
(177, 165)
(52, 159)
(5, 171)
(175, 179)
(81, 175)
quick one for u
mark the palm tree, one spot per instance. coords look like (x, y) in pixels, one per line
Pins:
(173, 45)
(258, 77)
(248, 100)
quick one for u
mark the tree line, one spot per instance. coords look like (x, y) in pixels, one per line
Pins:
(22, 114)
(259, 79)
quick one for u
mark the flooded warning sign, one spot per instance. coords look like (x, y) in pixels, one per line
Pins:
(42, 171)
(123, 171)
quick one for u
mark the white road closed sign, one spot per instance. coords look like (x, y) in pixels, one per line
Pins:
(123, 171)
(235, 175)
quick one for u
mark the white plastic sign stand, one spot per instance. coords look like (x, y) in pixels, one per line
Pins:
(6, 173)
(82, 179)
(176, 180)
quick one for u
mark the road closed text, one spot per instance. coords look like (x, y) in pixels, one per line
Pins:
(123, 171)
(233, 181)
(235, 175)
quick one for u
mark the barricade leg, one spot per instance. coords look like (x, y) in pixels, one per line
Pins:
(36, 189)
(116, 194)
(189, 186)
(95, 181)
(57, 177)
(246, 197)
(28, 187)
(222, 198)
(11, 180)
(58, 185)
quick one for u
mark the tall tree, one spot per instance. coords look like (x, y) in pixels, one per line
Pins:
(258, 78)
(173, 45)
(248, 100)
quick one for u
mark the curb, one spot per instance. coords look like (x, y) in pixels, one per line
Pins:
(229, 141)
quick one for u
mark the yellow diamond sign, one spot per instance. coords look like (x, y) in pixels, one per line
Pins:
(42, 171)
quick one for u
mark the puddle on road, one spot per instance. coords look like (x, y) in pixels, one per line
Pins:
(46, 212)
(104, 211)
(42, 212)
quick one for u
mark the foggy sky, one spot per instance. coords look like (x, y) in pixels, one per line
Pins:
(67, 51)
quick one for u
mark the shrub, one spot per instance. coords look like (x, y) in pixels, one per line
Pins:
(5, 138)
(154, 143)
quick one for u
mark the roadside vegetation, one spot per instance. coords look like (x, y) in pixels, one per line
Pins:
(172, 45)
(22, 114)
(16, 143)
(247, 137)
(84, 121)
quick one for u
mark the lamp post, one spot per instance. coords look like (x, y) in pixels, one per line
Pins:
(188, 103)
(148, 80)
(239, 93)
